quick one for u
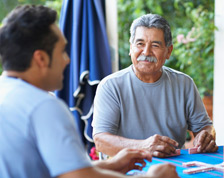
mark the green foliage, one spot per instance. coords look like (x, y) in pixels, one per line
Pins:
(54, 4)
(195, 53)
(0, 68)
(191, 19)
(7, 5)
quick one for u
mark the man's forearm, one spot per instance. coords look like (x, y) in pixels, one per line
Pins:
(102, 164)
(210, 129)
(112, 144)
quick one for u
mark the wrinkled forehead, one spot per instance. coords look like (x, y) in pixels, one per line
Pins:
(145, 33)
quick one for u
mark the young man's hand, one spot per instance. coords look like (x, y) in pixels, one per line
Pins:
(126, 160)
(162, 170)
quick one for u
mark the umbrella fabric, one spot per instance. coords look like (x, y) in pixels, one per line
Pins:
(83, 24)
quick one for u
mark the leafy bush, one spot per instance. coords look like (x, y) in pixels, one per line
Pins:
(194, 49)
(0, 68)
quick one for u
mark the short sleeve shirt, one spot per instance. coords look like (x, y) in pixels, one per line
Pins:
(128, 107)
(38, 136)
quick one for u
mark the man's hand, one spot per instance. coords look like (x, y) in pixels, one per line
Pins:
(126, 160)
(162, 170)
(205, 142)
(160, 146)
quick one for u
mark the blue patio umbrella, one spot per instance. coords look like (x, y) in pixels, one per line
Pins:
(83, 24)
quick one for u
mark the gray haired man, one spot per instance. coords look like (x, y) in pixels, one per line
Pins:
(148, 105)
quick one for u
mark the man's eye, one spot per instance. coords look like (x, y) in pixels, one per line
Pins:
(155, 46)
(140, 44)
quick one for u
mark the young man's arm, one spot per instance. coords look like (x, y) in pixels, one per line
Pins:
(126, 160)
(92, 172)
(158, 171)
(159, 146)
(123, 162)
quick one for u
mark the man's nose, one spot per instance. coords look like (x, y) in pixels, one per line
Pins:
(147, 50)
(67, 59)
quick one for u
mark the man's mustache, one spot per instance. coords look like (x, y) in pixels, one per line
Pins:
(147, 58)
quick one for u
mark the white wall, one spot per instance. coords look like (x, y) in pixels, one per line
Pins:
(112, 32)
(218, 99)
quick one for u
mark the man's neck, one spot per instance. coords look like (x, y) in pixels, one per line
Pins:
(147, 78)
(25, 76)
(14, 74)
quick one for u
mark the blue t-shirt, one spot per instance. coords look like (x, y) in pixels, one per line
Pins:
(38, 136)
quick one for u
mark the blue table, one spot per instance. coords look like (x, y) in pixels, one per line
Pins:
(210, 158)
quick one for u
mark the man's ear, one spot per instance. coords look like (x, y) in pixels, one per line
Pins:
(130, 50)
(170, 49)
(41, 58)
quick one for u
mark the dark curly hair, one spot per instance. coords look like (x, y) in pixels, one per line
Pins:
(24, 30)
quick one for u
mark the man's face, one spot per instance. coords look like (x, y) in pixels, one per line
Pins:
(60, 60)
(149, 42)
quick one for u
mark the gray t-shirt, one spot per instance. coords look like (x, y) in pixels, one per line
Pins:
(128, 107)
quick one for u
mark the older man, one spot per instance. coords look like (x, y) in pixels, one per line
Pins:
(38, 136)
(148, 105)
